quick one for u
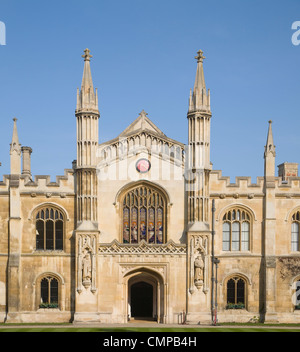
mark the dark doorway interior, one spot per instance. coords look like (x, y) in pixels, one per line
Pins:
(142, 300)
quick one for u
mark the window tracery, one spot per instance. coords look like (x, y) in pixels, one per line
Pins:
(49, 229)
(49, 292)
(236, 230)
(236, 293)
(144, 216)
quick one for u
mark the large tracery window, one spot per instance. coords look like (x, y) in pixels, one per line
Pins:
(144, 216)
(236, 230)
(49, 229)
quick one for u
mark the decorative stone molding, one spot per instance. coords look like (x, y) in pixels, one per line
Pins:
(161, 269)
(115, 247)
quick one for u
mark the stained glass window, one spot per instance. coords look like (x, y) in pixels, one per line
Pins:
(126, 231)
(159, 224)
(144, 213)
(134, 225)
(143, 223)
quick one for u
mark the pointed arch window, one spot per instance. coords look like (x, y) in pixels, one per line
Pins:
(236, 293)
(49, 229)
(236, 230)
(49, 292)
(144, 216)
(295, 232)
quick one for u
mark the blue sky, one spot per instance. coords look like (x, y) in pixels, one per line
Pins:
(143, 58)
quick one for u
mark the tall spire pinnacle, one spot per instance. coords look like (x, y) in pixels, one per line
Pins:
(200, 99)
(270, 147)
(200, 81)
(269, 155)
(87, 97)
(15, 152)
(87, 82)
(15, 145)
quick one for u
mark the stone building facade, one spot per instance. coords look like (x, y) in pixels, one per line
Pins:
(132, 229)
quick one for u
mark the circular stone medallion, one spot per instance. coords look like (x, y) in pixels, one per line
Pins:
(143, 165)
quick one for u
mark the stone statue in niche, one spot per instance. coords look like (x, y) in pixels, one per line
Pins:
(198, 263)
(86, 270)
(199, 269)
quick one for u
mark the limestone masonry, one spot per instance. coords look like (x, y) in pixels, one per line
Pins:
(127, 233)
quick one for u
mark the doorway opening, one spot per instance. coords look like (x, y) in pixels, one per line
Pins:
(142, 300)
(145, 296)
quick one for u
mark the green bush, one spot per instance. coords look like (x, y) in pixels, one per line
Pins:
(235, 305)
(49, 305)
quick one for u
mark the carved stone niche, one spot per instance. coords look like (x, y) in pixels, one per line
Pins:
(86, 263)
(199, 261)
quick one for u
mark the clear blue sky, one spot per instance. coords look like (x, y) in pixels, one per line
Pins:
(143, 58)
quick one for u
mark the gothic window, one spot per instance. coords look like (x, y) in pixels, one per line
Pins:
(236, 293)
(49, 292)
(295, 231)
(144, 216)
(236, 230)
(49, 229)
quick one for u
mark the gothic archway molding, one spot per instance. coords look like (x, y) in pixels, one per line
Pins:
(36, 208)
(153, 274)
(134, 184)
(241, 206)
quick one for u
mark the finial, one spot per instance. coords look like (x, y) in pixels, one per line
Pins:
(270, 121)
(15, 119)
(87, 56)
(200, 57)
(143, 113)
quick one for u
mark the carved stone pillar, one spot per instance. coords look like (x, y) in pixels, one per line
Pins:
(86, 298)
(199, 271)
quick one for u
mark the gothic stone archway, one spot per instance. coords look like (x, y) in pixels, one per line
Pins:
(145, 295)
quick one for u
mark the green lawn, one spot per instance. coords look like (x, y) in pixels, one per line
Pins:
(163, 330)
